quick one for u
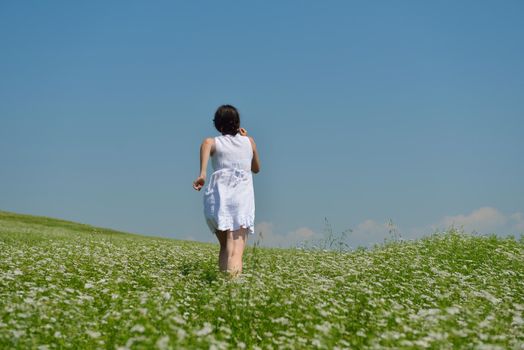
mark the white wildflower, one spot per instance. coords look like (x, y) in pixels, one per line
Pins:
(316, 342)
(93, 334)
(489, 347)
(178, 319)
(181, 334)
(492, 299)
(18, 333)
(459, 333)
(519, 307)
(207, 329)
(517, 320)
(138, 328)
(282, 320)
(452, 310)
(324, 313)
(324, 327)
(422, 343)
(162, 342)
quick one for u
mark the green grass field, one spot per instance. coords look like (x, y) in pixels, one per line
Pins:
(67, 285)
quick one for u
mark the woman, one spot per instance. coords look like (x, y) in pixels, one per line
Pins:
(229, 201)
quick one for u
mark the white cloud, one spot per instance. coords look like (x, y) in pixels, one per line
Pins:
(366, 233)
(268, 236)
(370, 226)
(484, 220)
(302, 233)
(517, 220)
(480, 220)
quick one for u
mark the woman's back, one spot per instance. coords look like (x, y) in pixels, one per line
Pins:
(232, 152)
(229, 202)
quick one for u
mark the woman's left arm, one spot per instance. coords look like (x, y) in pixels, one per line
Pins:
(255, 162)
(205, 152)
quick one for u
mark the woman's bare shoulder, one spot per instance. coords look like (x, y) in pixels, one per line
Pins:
(252, 141)
(209, 141)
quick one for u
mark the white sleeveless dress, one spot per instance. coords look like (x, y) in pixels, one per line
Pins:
(229, 200)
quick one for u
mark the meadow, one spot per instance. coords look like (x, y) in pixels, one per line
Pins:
(65, 285)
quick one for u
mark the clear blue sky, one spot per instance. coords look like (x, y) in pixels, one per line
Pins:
(362, 111)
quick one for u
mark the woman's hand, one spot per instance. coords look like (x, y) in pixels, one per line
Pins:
(199, 183)
(242, 131)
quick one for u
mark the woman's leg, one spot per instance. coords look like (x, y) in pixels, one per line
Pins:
(236, 241)
(223, 255)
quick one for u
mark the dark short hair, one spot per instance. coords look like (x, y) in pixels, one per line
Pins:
(227, 120)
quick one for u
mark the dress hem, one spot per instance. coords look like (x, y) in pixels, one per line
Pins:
(230, 225)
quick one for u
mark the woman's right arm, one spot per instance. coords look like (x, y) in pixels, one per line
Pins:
(206, 149)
